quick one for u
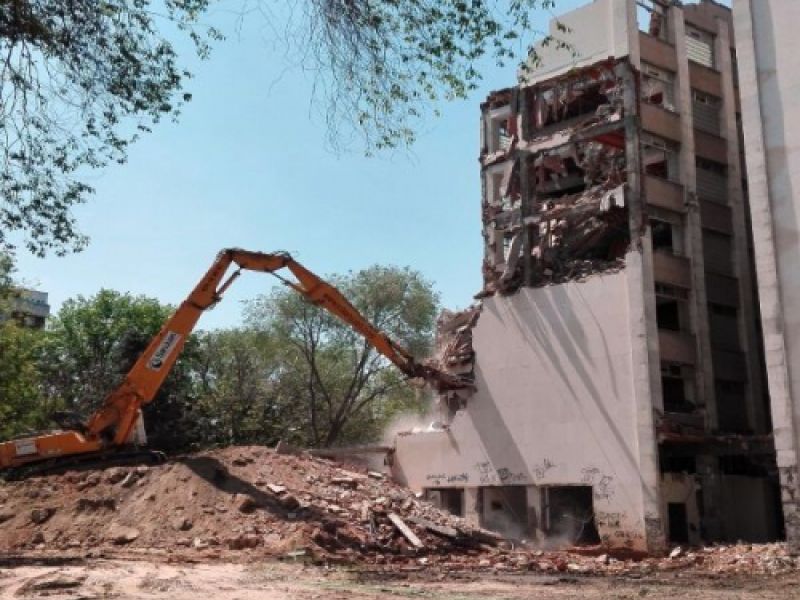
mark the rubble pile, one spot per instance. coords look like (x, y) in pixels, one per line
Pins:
(454, 350)
(246, 503)
(243, 499)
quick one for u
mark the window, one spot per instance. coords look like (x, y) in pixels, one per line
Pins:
(724, 326)
(498, 125)
(676, 388)
(660, 157)
(668, 314)
(658, 87)
(718, 252)
(651, 16)
(706, 112)
(700, 46)
(712, 180)
(662, 236)
(731, 406)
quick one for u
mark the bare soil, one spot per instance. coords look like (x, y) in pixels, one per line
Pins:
(155, 580)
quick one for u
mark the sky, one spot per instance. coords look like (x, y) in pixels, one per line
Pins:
(248, 166)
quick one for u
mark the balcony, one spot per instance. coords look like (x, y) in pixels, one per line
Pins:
(716, 216)
(710, 147)
(676, 347)
(663, 194)
(661, 122)
(657, 52)
(672, 270)
(705, 79)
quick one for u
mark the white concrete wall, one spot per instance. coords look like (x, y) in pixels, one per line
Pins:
(555, 405)
(597, 31)
(768, 51)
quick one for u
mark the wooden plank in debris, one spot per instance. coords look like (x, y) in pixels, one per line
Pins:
(403, 528)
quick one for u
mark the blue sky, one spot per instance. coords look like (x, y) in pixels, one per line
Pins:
(247, 166)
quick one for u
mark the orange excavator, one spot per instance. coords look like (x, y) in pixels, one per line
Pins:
(117, 425)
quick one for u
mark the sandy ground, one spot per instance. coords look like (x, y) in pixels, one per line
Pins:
(148, 580)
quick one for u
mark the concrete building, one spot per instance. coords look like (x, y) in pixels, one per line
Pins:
(29, 307)
(769, 70)
(615, 350)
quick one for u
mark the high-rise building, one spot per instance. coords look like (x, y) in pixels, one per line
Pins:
(617, 359)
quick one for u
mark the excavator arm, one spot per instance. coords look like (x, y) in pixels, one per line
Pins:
(113, 423)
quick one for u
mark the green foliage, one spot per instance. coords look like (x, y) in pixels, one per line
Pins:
(341, 389)
(239, 397)
(295, 373)
(93, 342)
(385, 64)
(79, 81)
(21, 410)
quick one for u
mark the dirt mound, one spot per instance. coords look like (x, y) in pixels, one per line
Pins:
(228, 501)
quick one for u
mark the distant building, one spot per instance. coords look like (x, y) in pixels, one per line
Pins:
(616, 353)
(30, 308)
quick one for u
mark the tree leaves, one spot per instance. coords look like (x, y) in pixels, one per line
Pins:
(78, 79)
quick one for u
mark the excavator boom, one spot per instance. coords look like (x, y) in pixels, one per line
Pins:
(112, 425)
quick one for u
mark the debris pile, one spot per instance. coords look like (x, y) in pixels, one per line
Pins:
(216, 503)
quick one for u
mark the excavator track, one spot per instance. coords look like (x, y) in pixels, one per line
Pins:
(85, 462)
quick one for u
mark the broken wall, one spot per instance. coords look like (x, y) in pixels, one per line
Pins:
(554, 405)
(594, 32)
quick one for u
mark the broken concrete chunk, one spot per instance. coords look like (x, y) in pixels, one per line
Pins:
(245, 503)
(40, 515)
(182, 524)
(276, 489)
(345, 481)
(677, 552)
(404, 529)
(115, 475)
(289, 502)
(119, 534)
(50, 583)
(129, 480)
(449, 532)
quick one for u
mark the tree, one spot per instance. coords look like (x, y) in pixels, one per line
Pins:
(239, 396)
(93, 342)
(20, 408)
(79, 80)
(344, 388)
(384, 65)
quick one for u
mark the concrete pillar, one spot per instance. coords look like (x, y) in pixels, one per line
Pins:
(785, 423)
(644, 334)
(471, 508)
(533, 501)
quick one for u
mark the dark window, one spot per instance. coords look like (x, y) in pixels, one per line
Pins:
(731, 406)
(662, 235)
(569, 514)
(668, 314)
(678, 523)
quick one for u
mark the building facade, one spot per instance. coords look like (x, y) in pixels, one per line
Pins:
(615, 350)
(769, 69)
(29, 307)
